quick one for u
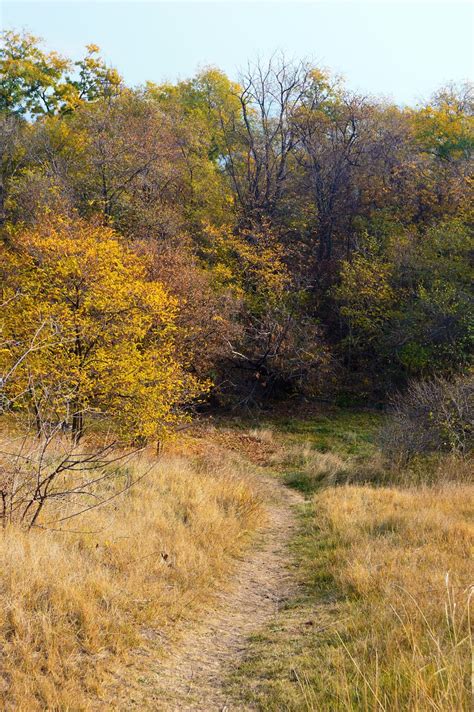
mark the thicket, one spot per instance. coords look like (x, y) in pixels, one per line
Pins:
(431, 416)
(272, 236)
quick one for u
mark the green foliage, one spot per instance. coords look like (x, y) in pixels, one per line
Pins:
(327, 237)
(366, 296)
(32, 80)
(407, 303)
(35, 82)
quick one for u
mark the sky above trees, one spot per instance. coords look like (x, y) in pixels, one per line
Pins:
(403, 50)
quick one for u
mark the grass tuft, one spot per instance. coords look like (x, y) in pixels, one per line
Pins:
(71, 604)
(383, 558)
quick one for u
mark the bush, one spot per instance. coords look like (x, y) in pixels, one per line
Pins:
(431, 416)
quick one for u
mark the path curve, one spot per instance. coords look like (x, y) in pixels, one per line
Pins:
(192, 677)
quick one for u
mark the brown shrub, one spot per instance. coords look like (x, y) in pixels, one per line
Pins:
(431, 416)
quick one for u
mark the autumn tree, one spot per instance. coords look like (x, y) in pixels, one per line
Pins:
(298, 227)
(279, 348)
(206, 321)
(105, 334)
(199, 109)
(13, 155)
(443, 146)
(38, 83)
(404, 303)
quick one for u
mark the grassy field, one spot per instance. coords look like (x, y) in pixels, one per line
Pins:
(73, 604)
(382, 618)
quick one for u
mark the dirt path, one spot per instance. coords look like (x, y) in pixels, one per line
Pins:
(192, 677)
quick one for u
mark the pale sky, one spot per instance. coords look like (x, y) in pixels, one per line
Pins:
(402, 50)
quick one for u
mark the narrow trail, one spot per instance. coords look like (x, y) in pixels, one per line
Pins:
(192, 678)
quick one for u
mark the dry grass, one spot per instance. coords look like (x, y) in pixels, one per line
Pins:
(71, 604)
(308, 470)
(384, 624)
(403, 561)
(434, 470)
(384, 558)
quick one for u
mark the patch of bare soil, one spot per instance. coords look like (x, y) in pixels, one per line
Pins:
(194, 673)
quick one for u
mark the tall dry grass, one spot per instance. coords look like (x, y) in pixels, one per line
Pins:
(71, 603)
(384, 561)
(403, 561)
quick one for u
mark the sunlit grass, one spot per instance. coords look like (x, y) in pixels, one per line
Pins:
(73, 603)
(381, 621)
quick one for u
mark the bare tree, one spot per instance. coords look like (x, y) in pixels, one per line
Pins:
(40, 472)
(259, 140)
(52, 476)
(333, 128)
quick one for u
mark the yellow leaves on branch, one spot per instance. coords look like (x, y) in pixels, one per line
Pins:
(99, 336)
(365, 293)
(250, 262)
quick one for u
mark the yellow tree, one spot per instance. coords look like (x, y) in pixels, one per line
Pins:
(366, 296)
(38, 83)
(87, 332)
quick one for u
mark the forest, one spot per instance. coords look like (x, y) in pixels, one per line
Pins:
(274, 254)
(274, 237)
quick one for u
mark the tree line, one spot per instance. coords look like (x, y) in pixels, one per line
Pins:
(239, 241)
